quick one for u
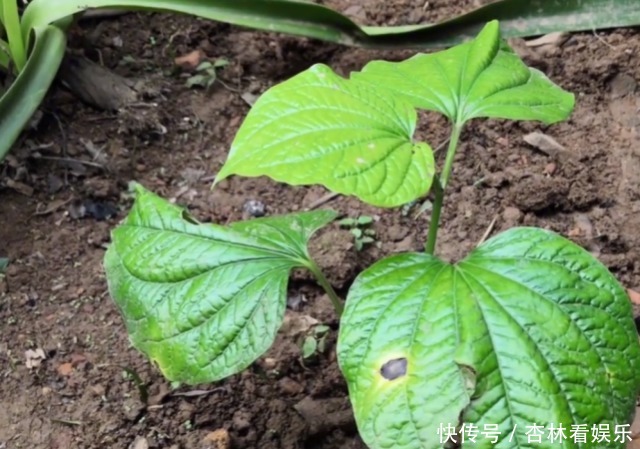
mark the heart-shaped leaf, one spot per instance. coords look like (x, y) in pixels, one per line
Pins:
(204, 301)
(319, 128)
(481, 78)
(529, 329)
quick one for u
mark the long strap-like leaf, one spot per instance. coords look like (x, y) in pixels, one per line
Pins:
(517, 17)
(26, 93)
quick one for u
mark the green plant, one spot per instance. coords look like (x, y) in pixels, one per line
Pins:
(528, 330)
(35, 43)
(362, 234)
(12, 50)
(206, 73)
(315, 341)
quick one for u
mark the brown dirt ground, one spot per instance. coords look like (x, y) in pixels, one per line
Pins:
(54, 296)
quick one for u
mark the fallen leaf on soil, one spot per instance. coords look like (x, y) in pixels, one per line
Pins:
(547, 144)
(34, 358)
(19, 187)
(218, 439)
(295, 324)
(634, 296)
(52, 207)
(249, 98)
(190, 60)
(65, 369)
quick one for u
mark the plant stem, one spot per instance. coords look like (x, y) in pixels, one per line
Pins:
(439, 185)
(326, 285)
(451, 152)
(438, 191)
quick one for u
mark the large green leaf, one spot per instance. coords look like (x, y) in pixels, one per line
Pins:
(528, 329)
(519, 18)
(481, 78)
(204, 301)
(318, 128)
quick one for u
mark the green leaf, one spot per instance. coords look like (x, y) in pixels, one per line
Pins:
(481, 78)
(4, 263)
(220, 63)
(204, 66)
(347, 222)
(364, 220)
(11, 25)
(519, 18)
(309, 347)
(357, 232)
(321, 329)
(204, 301)
(196, 80)
(318, 128)
(23, 98)
(529, 328)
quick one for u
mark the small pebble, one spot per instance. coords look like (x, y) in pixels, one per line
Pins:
(512, 215)
(269, 363)
(550, 169)
(254, 208)
(290, 386)
(218, 439)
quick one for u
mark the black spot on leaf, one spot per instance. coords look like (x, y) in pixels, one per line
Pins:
(394, 369)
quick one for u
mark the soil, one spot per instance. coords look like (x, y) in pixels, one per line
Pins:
(66, 363)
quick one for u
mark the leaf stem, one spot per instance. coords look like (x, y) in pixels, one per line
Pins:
(326, 285)
(439, 185)
(438, 191)
(451, 152)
